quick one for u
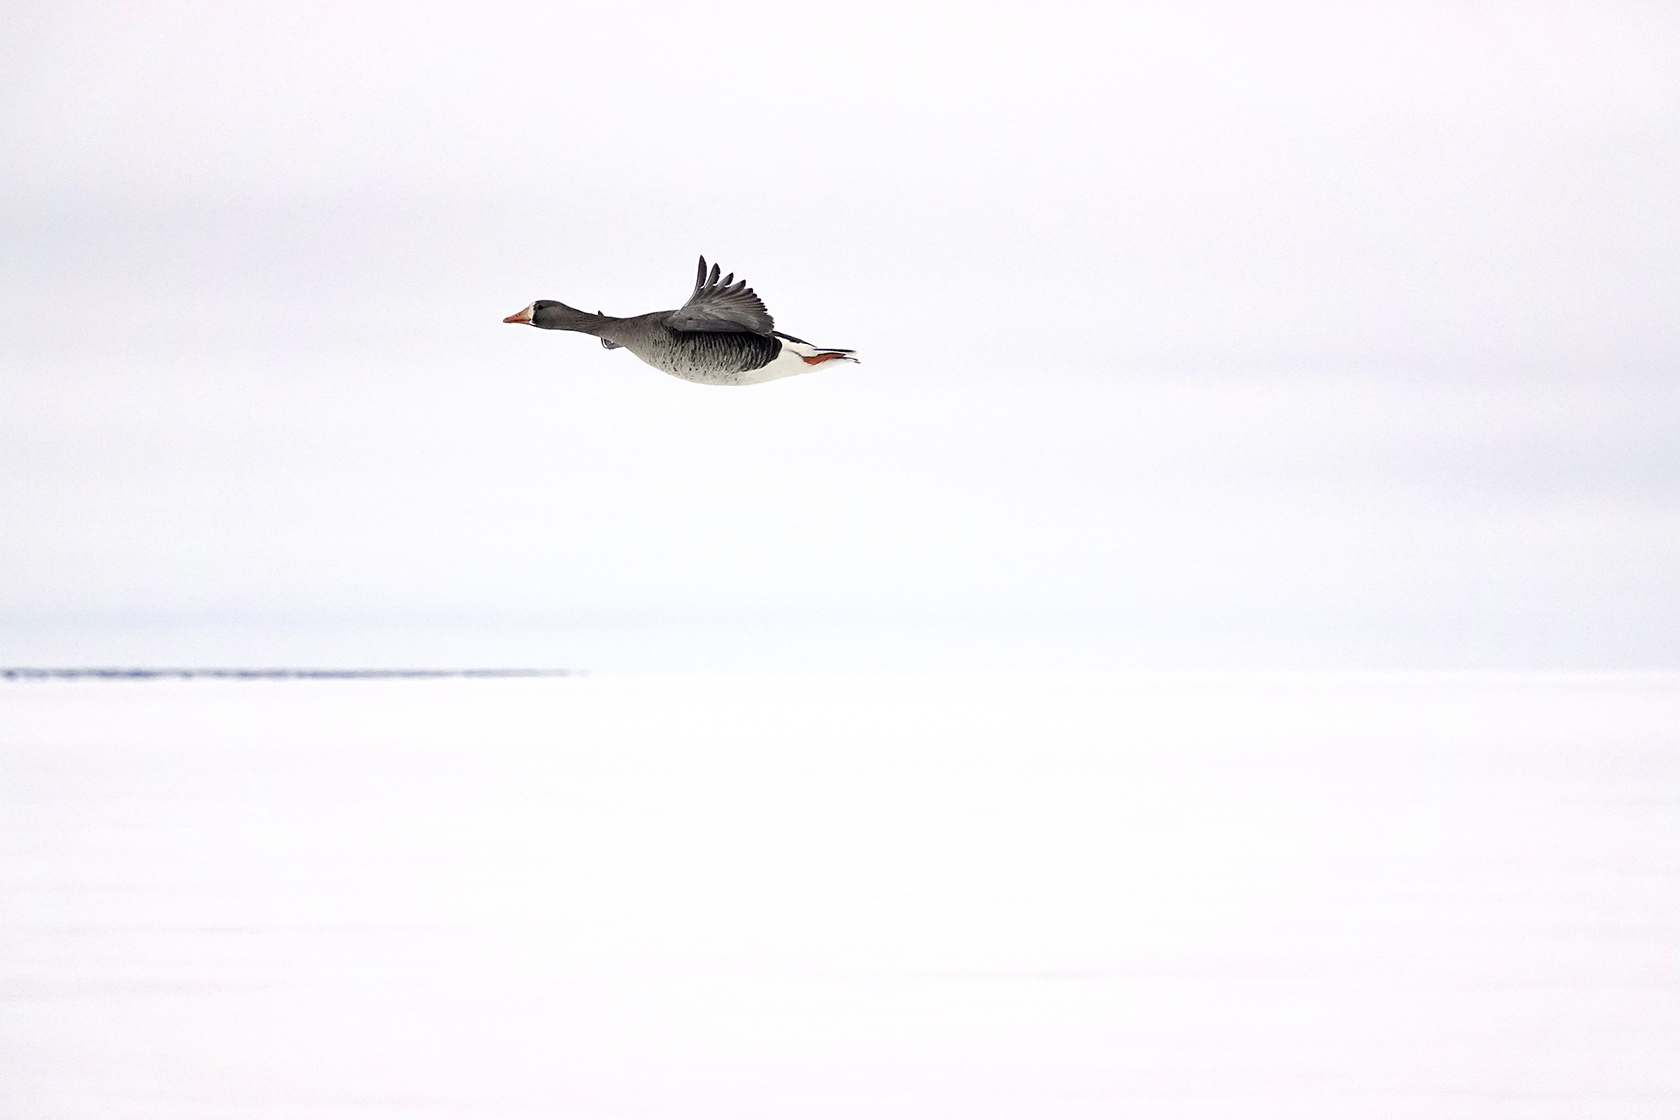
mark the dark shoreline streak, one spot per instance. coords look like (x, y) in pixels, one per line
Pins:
(25, 674)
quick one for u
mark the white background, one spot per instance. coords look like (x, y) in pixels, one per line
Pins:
(1018, 897)
(1201, 336)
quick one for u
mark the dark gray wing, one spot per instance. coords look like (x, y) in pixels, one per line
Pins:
(726, 305)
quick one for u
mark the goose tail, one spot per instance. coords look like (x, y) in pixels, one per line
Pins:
(815, 355)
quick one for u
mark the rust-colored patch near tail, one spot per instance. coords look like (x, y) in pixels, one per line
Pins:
(819, 359)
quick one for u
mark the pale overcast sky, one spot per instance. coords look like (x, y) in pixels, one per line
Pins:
(1278, 335)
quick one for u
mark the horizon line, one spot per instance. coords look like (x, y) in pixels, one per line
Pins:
(115, 673)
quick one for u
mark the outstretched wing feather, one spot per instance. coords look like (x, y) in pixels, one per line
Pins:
(728, 305)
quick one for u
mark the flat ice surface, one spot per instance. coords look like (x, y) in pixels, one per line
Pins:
(1021, 897)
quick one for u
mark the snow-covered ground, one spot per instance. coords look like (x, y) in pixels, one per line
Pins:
(842, 896)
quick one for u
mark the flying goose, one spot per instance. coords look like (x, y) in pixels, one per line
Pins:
(722, 336)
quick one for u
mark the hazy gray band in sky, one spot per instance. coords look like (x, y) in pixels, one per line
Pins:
(1285, 328)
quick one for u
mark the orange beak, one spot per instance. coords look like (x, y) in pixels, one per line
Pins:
(519, 317)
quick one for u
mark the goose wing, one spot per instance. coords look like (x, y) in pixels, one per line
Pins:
(726, 305)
